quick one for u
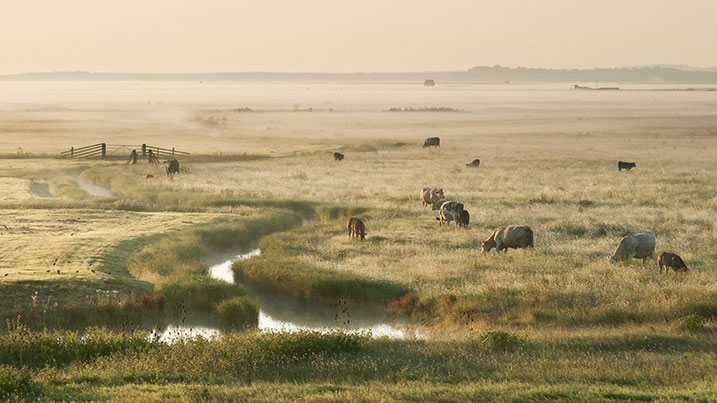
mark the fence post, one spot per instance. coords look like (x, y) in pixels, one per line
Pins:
(144, 150)
(104, 150)
(172, 151)
(72, 152)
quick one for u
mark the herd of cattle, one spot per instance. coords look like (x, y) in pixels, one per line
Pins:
(640, 246)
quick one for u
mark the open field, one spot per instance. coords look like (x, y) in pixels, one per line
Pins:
(554, 323)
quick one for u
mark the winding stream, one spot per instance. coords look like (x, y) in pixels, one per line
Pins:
(284, 314)
(280, 313)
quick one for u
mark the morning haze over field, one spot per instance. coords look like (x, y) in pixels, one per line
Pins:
(358, 201)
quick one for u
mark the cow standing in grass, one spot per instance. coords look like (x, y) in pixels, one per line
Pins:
(514, 236)
(431, 196)
(464, 219)
(356, 228)
(171, 167)
(625, 165)
(641, 246)
(338, 157)
(432, 142)
(449, 211)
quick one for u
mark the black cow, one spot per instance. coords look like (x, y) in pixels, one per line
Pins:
(338, 157)
(432, 142)
(464, 218)
(625, 165)
(171, 167)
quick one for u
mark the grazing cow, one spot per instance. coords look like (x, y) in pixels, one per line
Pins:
(670, 260)
(473, 164)
(338, 157)
(464, 219)
(172, 167)
(356, 228)
(432, 142)
(625, 165)
(431, 196)
(350, 224)
(449, 211)
(641, 246)
(509, 237)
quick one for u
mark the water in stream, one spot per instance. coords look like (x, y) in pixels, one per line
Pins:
(284, 314)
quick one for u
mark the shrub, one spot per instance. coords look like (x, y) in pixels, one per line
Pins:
(404, 305)
(239, 312)
(148, 302)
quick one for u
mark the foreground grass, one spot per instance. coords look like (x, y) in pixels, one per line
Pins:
(104, 365)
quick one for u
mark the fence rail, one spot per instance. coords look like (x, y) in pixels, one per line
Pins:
(104, 150)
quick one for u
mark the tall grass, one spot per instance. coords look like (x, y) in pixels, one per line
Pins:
(280, 269)
(238, 312)
(180, 254)
(62, 363)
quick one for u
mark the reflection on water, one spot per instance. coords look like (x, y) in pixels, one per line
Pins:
(223, 271)
(173, 333)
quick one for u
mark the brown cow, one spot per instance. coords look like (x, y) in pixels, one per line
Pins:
(338, 157)
(356, 228)
(509, 237)
(473, 164)
(431, 196)
(350, 224)
(669, 260)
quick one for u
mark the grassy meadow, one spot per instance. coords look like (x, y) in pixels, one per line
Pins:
(557, 322)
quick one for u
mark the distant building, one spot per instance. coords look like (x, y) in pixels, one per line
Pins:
(429, 83)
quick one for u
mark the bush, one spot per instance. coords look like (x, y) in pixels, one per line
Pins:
(239, 312)
(404, 305)
(497, 340)
(148, 302)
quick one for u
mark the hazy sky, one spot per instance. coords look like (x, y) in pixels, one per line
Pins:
(349, 36)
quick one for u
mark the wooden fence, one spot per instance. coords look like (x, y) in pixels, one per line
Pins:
(133, 152)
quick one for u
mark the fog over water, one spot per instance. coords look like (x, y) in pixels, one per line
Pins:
(338, 96)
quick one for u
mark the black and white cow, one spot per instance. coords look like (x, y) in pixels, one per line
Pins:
(449, 211)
